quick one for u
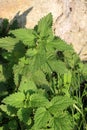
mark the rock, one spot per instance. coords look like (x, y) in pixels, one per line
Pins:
(38, 8)
(69, 18)
(72, 25)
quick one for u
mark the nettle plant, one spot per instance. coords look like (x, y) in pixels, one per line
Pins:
(41, 79)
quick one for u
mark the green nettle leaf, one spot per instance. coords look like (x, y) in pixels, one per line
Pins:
(60, 103)
(16, 100)
(18, 70)
(25, 35)
(62, 122)
(44, 26)
(31, 52)
(1, 128)
(27, 84)
(36, 61)
(71, 58)
(13, 124)
(42, 116)
(19, 50)
(9, 110)
(39, 78)
(59, 44)
(8, 43)
(58, 66)
(38, 100)
(24, 115)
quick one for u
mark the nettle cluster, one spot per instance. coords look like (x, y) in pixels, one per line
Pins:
(41, 81)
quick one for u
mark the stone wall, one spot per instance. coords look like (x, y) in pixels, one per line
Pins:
(70, 18)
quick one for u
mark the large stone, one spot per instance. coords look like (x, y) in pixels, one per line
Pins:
(72, 25)
(69, 18)
(34, 9)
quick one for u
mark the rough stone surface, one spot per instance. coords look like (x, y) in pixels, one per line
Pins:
(70, 18)
(72, 25)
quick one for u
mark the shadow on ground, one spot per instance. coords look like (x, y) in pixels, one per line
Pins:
(19, 19)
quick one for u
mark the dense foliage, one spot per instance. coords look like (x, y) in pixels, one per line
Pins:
(43, 83)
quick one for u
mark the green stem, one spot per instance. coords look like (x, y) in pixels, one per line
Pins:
(52, 86)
